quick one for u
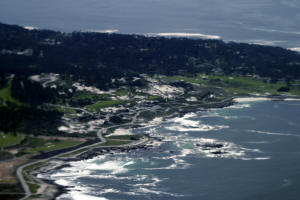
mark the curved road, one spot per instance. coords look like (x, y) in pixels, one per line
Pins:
(100, 136)
(21, 168)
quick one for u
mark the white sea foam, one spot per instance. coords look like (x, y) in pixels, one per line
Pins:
(190, 115)
(215, 114)
(75, 171)
(104, 31)
(108, 190)
(259, 142)
(184, 34)
(258, 158)
(295, 49)
(30, 28)
(184, 124)
(272, 133)
(291, 99)
(115, 167)
(203, 147)
(154, 181)
(112, 190)
(202, 127)
(63, 182)
(81, 196)
(240, 106)
(276, 31)
(266, 42)
(157, 192)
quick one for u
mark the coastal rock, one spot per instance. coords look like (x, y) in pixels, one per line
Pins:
(213, 145)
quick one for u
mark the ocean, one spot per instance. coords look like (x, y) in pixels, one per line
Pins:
(266, 22)
(250, 150)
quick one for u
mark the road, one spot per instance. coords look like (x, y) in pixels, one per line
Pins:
(21, 168)
(100, 136)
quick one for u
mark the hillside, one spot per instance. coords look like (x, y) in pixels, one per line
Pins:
(96, 71)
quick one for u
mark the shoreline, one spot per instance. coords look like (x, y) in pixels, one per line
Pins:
(58, 190)
(265, 98)
(58, 163)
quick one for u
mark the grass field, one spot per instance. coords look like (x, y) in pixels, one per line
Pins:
(9, 139)
(5, 95)
(40, 145)
(122, 92)
(33, 187)
(153, 97)
(236, 84)
(103, 104)
(66, 110)
(30, 145)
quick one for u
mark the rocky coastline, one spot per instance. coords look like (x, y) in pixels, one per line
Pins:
(143, 143)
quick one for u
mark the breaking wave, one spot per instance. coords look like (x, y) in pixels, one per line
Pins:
(184, 34)
(272, 133)
(185, 124)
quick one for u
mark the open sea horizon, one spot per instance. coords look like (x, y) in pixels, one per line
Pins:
(265, 22)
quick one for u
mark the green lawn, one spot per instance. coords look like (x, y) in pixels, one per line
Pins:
(9, 139)
(31, 145)
(122, 92)
(5, 95)
(49, 145)
(154, 97)
(104, 104)
(235, 84)
(33, 187)
(66, 110)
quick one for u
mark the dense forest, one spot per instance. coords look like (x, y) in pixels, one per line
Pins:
(97, 58)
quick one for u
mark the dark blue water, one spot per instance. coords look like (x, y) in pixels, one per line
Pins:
(271, 22)
(248, 151)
